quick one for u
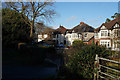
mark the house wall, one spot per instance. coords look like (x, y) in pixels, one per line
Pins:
(59, 38)
(87, 36)
(70, 37)
(109, 38)
(42, 37)
(106, 43)
(91, 41)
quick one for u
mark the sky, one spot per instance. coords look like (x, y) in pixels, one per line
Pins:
(70, 14)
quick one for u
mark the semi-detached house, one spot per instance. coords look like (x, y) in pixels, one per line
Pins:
(82, 32)
(108, 34)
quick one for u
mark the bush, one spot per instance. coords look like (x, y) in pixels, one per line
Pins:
(77, 44)
(14, 29)
(81, 60)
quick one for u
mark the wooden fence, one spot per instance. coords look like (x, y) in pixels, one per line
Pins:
(104, 75)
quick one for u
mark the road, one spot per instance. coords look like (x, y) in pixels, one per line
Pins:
(21, 73)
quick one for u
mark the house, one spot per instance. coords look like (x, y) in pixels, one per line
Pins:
(87, 32)
(42, 36)
(44, 32)
(108, 34)
(71, 35)
(59, 35)
(88, 37)
(82, 32)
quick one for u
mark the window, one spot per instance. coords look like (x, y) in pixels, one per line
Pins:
(57, 35)
(96, 35)
(54, 36)
(78, 35)
(73, 35)
(108, 34)
(118, 44)
(104, 33)
(85, 35)
(108, 44)
(118, 33)
(105, 43)
(70, 36)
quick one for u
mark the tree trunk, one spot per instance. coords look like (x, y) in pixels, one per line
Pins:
(31, 30)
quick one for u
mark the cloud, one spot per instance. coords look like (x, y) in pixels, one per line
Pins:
(99, 16)
(97, 25)
(95, 22)
(54, 27)
(92, 20)
(72, 18)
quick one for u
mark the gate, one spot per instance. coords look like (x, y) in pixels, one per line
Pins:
(102, 72)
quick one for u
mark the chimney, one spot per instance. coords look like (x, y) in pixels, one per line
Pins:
(60, 26)
(82, 23)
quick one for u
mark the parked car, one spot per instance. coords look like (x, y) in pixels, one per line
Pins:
(45, 44)
(61, 47)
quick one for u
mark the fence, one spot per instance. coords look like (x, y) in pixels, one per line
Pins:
(99, 74)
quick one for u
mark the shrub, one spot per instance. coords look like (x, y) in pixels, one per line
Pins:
(77, 44)
(81, 60)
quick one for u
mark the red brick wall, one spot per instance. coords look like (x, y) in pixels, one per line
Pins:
(97, 41)
(91, 41)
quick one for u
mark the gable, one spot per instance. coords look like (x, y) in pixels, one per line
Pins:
(116, 25)
(103, 27)
(109, 25)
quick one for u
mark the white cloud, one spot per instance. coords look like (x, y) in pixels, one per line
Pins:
(99, 16)
(92, 20)
(54, 27)
(72, 18)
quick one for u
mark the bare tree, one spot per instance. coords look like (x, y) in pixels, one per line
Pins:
(32, 11)
(39, 28)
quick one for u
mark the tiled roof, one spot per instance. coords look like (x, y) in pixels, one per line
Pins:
(83, 27)
(110, 24)
(69, 30)
(60, 30)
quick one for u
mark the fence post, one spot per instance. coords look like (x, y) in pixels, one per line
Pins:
(97, 66)
(95, 70)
